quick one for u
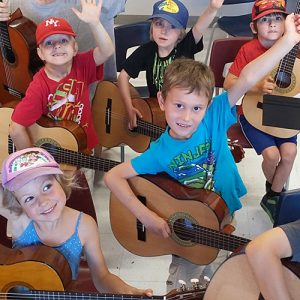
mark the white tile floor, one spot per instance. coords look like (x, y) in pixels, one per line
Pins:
(152, 272)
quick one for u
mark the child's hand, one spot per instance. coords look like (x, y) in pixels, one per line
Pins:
(157, 225)
(292, 27)
(4, 11)
(90, 12)
(133, 115)
(268, 85)
(216, 4)
(135, 291)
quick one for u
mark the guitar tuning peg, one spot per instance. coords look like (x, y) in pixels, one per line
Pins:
(182, 285)
(206, 278)
(195, 283)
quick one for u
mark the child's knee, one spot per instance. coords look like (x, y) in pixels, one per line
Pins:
(271, 155)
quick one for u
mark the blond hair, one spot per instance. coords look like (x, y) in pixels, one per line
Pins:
(190, 75)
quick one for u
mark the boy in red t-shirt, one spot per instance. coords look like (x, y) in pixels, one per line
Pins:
(278, 153)
(60, 89)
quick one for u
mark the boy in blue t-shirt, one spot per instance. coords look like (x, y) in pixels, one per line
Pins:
(193, 149)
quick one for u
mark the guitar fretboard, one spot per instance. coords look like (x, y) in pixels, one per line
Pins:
(74, 158)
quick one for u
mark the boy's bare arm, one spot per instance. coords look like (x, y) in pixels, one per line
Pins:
(116, 181)
(19, 135)
(90, 14)
(132, 112)
(253, 72)
(206, 18)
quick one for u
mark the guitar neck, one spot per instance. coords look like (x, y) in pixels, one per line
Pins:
(53, 295)
(74, 158)
(216, 239)
(148, 129)
(4, 36)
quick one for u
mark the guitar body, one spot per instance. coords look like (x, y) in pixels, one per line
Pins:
(234, 280)
(46, 274)
(174, 202)
(254, 114)
(36, 267)
(16, 72)
(63, 134)
(110, 118)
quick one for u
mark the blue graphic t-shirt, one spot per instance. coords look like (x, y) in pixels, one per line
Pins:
(204, 160)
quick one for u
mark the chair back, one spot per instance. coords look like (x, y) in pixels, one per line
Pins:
(224, 51)
(128, 36)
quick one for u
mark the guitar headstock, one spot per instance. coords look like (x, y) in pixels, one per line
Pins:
(195, 292)
(236, 149)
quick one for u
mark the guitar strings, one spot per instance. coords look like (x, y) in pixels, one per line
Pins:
(207, 236)
(287, 63)
(190, 294)
(76, 158)
(5, 41)
(147, 125)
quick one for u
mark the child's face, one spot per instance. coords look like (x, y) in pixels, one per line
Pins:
(184, 112)
(42, 198)
(270, 27)
(57, 49)
(164, 33)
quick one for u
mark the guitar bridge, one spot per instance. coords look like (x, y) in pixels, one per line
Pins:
(140, 227)
(108, 115)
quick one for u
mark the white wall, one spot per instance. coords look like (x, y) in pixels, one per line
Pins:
(195, 7)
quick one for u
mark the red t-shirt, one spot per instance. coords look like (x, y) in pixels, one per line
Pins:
(67, 99)
(247, 53)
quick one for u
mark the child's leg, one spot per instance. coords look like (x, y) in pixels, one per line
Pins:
(288, 153)
(271, 157)
(264, 254)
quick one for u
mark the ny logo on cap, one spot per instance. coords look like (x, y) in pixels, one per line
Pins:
(52, 22)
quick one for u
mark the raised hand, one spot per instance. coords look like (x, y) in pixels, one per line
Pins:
(90, 11)
(4, 10)
(216, 4)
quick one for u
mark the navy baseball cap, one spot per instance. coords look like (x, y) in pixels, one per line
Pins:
(173, 11)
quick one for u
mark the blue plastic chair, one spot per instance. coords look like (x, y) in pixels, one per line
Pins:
(238, 25)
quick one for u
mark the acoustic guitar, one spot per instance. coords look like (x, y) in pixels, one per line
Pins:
(19, 60)
(287, 84)
(111, 122)
(194, 217)
(46, 275)
(65, 140)
(234, 280)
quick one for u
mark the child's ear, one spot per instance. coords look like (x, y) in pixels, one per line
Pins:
(40, 54)
(75, 48)
(161, 101)
(254, 31)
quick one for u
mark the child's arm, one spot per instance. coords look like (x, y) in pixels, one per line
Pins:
(116, 180)
(19, 135)
(132, 112)
(206, 18)
(264, 254)
(253, 72)
(104, 281)
(265, 86)
(91, 14)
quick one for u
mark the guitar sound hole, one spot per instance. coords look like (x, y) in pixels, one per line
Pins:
(184, 229)
(283, 79)
(17, 292)
(9, 55)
